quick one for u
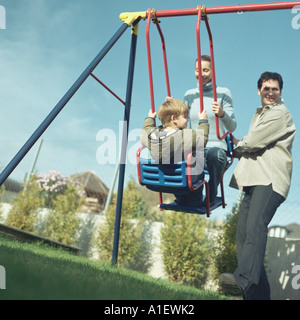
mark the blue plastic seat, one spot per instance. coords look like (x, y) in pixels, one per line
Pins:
(178, 177)
(169, 178)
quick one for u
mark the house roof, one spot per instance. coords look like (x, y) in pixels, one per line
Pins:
(91, 182)
(289, 232)
(293, 231)
(12, 185)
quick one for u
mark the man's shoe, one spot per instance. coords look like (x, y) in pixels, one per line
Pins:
(229, 285)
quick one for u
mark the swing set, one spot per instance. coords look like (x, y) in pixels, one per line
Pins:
(165, 175)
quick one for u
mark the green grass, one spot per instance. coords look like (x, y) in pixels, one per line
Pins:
(40, 272)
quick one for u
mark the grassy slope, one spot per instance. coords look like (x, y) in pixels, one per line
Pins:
(39, 272)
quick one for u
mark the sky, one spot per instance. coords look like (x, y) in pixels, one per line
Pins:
(46, 45)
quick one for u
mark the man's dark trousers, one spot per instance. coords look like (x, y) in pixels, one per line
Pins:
(257, 210)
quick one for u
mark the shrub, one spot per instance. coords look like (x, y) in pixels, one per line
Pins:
(185, 248)
(131, 231)
(62, 223)
(23, 214)
(134, 200)
(225, 250)
(54, 184)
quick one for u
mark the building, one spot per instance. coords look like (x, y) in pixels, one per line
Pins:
(95, 189)
(282, 259)
(11, 190)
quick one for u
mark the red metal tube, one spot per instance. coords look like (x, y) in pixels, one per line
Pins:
(199, 60)
(213, 77)
(138, 155)
(211, 48)
(165, 58)
(253, 7)
(160, 198)
(229, 9)
(149, 16)
(107, 88)
(207, 199)
(149, 60)
(176, 12)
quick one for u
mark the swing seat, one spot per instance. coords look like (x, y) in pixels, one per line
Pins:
(170, 178)
(202, 210)
(177, 177)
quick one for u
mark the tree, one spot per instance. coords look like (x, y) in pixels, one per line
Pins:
(184, 247)
(225, 250)
(131, 229)
(134, 200)
(62, 223)
(23, 214)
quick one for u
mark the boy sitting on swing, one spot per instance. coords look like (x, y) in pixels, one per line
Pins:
(173, 141)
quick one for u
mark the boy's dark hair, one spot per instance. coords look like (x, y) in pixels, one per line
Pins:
(270, 76)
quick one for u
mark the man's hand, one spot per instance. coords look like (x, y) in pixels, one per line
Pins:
(236, 153)
(235, 141)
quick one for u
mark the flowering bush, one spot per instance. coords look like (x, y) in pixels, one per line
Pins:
(63, 196)
(54, 184)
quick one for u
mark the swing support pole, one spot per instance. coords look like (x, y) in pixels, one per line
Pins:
(124, 143)
(229, 9)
